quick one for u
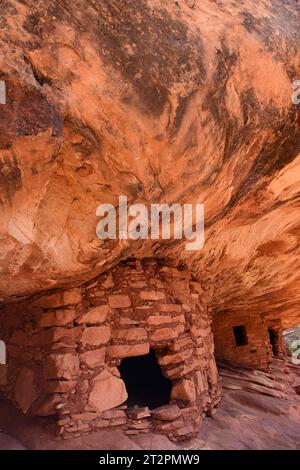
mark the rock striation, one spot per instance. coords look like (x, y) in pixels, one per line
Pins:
(161, 102)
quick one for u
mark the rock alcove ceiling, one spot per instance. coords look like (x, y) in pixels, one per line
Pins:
(162, 102)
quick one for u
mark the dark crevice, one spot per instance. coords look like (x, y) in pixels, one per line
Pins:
(40, 79)
(145, 383)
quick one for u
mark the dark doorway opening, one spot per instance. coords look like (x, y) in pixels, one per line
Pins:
(145, 383)
(274, 341)
(240, 335)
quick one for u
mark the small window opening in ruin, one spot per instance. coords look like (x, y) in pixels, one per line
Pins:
(274, 341)
(240, 335)
(144, 381)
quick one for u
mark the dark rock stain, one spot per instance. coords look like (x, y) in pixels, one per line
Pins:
(32, 24)
(9, 9)
(40, 78)
(286, 15)
(215, 100)
(181, 109)
(10, 179)
(33, 115)
(284, 150)
(248, 21)
(276, 154)
(90, 142)
(57, 125)
(160, 52)
(146, 46)
(26, 113)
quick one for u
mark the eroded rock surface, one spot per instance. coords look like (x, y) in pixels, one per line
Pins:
(162, 101)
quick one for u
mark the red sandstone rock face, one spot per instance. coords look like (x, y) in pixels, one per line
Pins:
(161, 101)
(108, 391)
(25, 390)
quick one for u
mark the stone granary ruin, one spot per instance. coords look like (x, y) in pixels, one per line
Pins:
(163, 102)
(70, 352)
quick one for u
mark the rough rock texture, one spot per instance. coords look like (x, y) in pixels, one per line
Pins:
(25, 391)
(160, 101)
(76, 367)
(259, 410)
(108, 391)
(246, 419)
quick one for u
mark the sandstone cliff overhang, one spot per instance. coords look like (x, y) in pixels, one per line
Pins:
(162, 101)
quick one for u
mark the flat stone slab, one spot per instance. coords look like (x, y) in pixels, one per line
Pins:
(166, 413)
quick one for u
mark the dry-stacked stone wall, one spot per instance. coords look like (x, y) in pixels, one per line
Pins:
(246, 339)
(64, 349)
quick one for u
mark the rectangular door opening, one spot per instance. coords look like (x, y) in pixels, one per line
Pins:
(274, 341)
(144, 381)
(240, 335)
